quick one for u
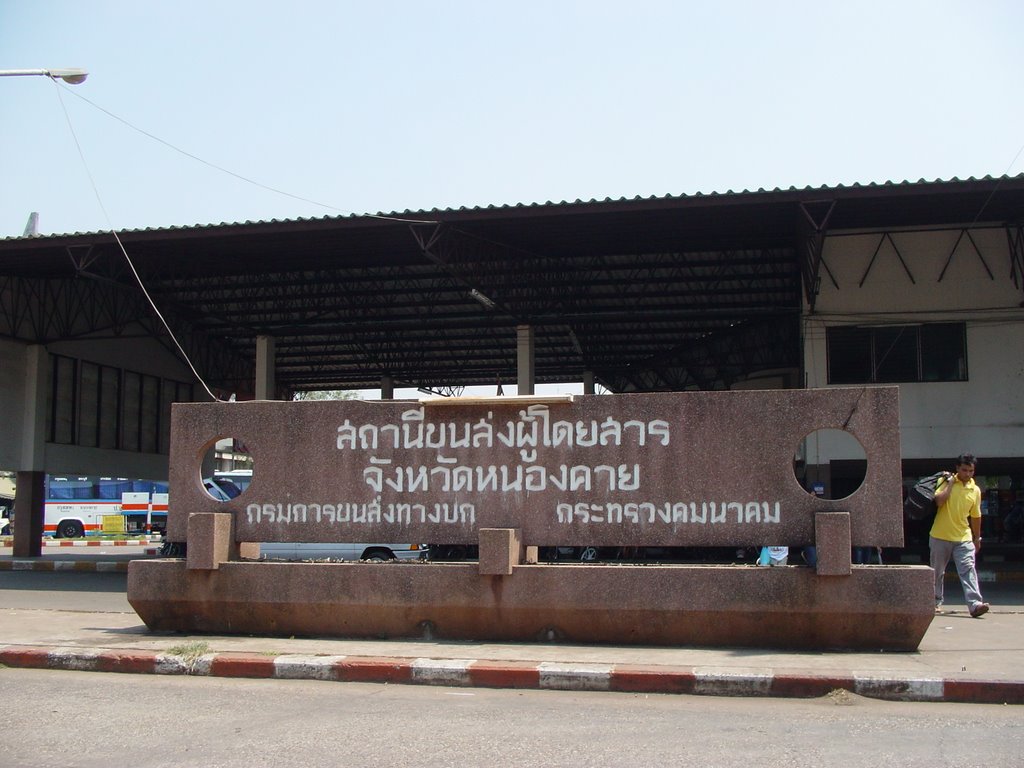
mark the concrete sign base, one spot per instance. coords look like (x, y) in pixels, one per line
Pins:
(874, 607)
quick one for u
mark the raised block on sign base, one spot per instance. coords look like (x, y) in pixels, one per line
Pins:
(832, 542)
(500, 551)
(209, 541)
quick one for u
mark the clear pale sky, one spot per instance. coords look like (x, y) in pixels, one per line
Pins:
(387, 106)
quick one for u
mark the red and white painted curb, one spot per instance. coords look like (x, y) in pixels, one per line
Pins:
(86, 566)
(100, 543)
(623, 678)
(7, 541)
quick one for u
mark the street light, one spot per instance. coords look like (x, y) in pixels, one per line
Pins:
(72, 76)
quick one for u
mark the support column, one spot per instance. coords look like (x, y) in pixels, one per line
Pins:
(30, 493)
(525, 359)
(387, 387)
(29, 506)
(588, 383)
(266, 386)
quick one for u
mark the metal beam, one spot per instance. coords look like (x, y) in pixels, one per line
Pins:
(811, 229)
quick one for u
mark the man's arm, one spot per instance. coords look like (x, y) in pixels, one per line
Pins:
(976, 531)
(942, 496)
(975, 520)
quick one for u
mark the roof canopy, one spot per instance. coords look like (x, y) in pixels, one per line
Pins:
(648, 294)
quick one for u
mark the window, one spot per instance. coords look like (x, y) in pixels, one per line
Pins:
(100, 406)
(171, 392)
(61, 411)
(130, 411)
(98, 396)
(890, 354)
(110, 398)
(149, 414)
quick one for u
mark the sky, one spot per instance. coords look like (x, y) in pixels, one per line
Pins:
(329, 107)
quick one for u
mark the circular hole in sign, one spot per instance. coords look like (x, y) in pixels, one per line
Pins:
(227, 469)
(830, 464)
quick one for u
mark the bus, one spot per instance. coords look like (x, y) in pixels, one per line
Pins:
(76, 506)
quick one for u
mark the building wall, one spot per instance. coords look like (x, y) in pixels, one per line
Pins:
(942, 419)
(133, 353)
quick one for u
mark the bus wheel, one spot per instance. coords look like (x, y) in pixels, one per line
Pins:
(69, 529)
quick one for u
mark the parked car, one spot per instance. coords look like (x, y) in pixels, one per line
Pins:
(283, 550)
(221, 488)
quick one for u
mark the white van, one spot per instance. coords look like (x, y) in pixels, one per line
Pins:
(282, 550)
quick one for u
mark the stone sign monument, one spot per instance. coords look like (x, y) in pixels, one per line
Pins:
(513, 474)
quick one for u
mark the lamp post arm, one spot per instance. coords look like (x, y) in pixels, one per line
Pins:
(72, 76)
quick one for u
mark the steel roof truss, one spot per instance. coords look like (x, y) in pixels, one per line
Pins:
(965, 232)
(1015, 238)
(886, 237)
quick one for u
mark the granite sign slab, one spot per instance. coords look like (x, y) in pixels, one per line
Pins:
(700, 468)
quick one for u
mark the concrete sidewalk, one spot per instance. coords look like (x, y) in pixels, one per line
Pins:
(960, 659)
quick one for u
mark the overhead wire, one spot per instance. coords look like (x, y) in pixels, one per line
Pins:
(113, 230)
(131, 264)
(239, 176)
(995, 188)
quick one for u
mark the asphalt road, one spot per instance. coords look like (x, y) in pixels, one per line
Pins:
(65, 591)
(61, 718)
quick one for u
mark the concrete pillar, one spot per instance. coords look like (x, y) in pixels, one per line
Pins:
(526, 376)
(266, 386)
(588, 383)
(387, 387)
(29, 509)
(30, 494)
(33, 416)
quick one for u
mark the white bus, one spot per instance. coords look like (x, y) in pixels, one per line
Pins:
(76, 505)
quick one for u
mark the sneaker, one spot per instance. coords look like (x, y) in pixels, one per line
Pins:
(979, 610)
(938, 607)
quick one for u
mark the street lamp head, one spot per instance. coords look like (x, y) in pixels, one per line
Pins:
(73, 76)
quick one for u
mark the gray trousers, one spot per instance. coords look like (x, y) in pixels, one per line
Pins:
(962, 553)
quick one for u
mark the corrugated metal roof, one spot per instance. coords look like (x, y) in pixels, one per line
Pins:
(429, 215)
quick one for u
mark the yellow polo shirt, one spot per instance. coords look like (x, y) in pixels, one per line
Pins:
(951, 520)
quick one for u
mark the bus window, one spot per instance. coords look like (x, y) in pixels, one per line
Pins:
(71, 488)
(108, 488)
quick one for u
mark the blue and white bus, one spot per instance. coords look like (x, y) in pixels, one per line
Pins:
(77, 504)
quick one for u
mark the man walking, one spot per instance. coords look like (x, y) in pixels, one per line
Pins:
(956, 533)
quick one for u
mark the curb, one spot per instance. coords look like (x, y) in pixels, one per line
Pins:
(7, 541)
(85, 566)
(622, 678)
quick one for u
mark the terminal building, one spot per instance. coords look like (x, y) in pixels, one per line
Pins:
(914, 284)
